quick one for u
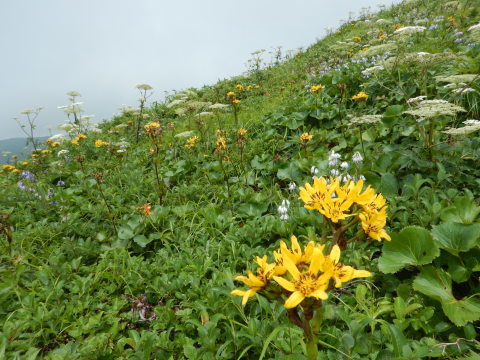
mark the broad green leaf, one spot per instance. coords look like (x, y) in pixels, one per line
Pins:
(389, 185)
(455, 237)
(411, 246)
(125, 233)
(141, 240)
(437, 284)
(289, 171)
(464, 211)
(390, 115)
(252, 208)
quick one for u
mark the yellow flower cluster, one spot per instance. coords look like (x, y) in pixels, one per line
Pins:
(8, 167)
(221, 143)
(315, 88)
(360, 96)
(239, 87)
(78, 138)
(338, 202)
(191, 142)
(45, 152)
(306, 137)
(101, 143)
(231, 94)
(356, 39)
(241, 132)
(298, 274)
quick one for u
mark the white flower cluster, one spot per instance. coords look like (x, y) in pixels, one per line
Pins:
(283, 210)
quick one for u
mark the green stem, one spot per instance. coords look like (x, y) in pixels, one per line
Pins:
(361, 141)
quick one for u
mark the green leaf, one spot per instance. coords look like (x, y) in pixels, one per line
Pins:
(455, 237)
(389, 185)
(411, 246)
(141, 240)
(464, 211)
(391, 114)
(252, 209)
(437, 284)
(289, 171)
(125, 233)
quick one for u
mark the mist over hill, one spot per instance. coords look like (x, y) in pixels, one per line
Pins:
(16, 146)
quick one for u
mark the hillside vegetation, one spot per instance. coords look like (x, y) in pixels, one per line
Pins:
(322, 207)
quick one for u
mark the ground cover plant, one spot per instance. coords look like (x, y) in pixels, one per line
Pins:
(323, 206)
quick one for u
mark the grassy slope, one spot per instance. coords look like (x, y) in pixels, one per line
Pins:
(65, 275)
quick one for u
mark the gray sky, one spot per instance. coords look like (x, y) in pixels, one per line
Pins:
(103, 48)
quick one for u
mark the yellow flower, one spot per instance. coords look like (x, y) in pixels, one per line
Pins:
(314, 196)
(360, 96)
(55, 144)
(24, 163)
(341, 273)
(241, 132)
(239, 87)
(75, 142)
(100, 143)
(8, 167)
(335, 208)
(306, 137)
(81, 136)
(373, 224)
(315, 88)
(398, 26)
(236, 101)
(356, 38)
(49, 141)
(249, 87)
(191, 142)
(296, 255)
(231, 94)
(255, 282)
(46, 152)
(221, 143)
(382, 37)
(308, 283)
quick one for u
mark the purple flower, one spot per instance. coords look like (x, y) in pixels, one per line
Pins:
(433, 27)
(60, 183)
(457, 41)
(458, 33)
(27, 175)
(49, 193)
(22, 186)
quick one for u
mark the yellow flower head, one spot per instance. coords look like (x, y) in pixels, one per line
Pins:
(221, 143)
(191, 142)
(356, 38)
(239, 87)
(101, 143)
(236, 101)
(49, 141)
(255, 282)
(306, 137)
(81, 136)
(231, 94)
(55, 144)
(24, 163)
(315, 88)
(45, 152)
(373, 224)
(241, 132)
(8, 167)
(341, 273)
(360, 96)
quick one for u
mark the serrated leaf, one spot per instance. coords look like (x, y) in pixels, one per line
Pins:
(411, 246)
(455, 237)
(289, 172)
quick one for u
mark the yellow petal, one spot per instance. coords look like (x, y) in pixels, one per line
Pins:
(335, 254)
(296, 249)
(237, 292)
(291, 267)
(319, 294)
(294, 299)
(361, 273)
(317, 261)
(248, 294)
(287, 285)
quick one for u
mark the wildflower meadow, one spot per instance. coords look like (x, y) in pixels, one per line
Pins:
(323, 205)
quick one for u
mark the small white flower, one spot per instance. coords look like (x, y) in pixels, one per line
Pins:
(282, 210)
(63, 152)
(284, 217)
(286, 203)
(416, 99)
(420, 119)
(344, 165)
(361, 177)
(313, 171)
(472, 122)
(463, 90)
(334, 172)
(357, 157)
(334, 156)
(292, 186)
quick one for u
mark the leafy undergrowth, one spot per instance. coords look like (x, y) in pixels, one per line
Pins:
(124, 243)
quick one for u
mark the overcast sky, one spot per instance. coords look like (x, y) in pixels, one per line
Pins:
(103, 48)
